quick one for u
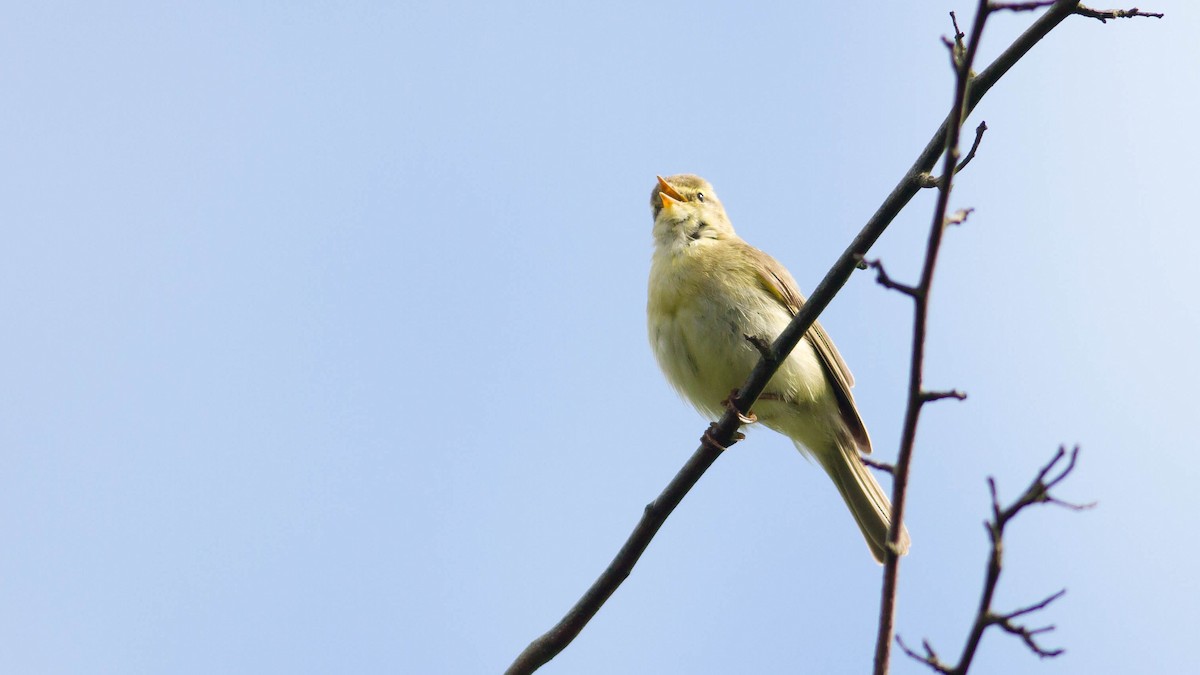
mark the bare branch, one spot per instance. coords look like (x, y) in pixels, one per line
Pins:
(958, 49)
(930, 181)
(763, 347)
(874, 464)
(958, 34)
(974, 147)
(929, 396)
(1105, 14)
(929, 658)
(996, 510)
(1019, 6)
(1029, 635)
(709, 441)
(1071, 506)
(547, 646)
(1034, 607)
(883, 279)
(1036, 493)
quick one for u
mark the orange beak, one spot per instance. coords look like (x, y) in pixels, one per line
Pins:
(665, 189)
(668, 202)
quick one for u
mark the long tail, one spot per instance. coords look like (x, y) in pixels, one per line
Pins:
(863, 494)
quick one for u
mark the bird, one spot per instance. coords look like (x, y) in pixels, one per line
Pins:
(712, 297)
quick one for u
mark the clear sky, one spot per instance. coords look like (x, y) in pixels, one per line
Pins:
(324, 339)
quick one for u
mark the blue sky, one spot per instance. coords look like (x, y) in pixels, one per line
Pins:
(325, 339)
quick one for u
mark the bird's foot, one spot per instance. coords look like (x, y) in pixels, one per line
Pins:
(747, 417)
(711, 441)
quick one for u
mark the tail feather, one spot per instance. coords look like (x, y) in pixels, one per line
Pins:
(867, 501)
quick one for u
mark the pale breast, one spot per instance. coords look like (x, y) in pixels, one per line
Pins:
(698, 322)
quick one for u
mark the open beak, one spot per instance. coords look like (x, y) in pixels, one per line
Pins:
(670, 196)
(665, 188)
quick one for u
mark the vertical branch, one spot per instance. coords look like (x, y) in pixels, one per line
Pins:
(961, 56)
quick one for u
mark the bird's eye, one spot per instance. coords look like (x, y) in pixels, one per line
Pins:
(699, 196)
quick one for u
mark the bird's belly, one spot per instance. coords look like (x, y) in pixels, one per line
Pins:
(702, 358)
(705, 355)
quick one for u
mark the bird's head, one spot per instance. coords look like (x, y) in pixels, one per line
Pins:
(686, 211)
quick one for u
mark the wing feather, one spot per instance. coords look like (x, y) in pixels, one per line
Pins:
(779, 282)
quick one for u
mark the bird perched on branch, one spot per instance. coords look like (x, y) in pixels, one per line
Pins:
(711, 295)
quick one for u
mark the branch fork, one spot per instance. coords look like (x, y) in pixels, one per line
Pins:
(1038, 492)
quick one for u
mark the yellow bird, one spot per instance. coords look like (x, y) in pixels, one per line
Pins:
(709, 290)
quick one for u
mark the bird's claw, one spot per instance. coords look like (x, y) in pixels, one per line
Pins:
(711, 441)
(745, 418)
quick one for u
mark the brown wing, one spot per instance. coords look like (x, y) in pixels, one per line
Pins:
(779, 282)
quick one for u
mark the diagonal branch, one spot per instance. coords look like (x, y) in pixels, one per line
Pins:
(724, 433)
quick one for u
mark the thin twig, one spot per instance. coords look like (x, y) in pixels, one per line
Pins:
(1035, 607)
(1029, 635)
(1105, 14)
(876, 464)
(1038, 492)
(883, 279)
(762, 345)
(974, 147)
(958, 34)
(931, 181)
(930, 396)
(929, 658)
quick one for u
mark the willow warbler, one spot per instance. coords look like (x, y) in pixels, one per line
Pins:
(709, 290)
